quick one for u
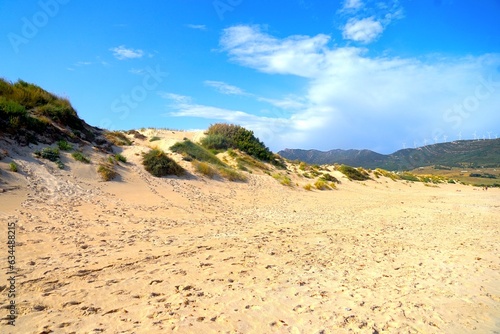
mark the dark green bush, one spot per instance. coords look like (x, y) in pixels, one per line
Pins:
(158, 164)
(64, 145)
(224, 136)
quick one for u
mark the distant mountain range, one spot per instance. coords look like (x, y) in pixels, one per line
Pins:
(461, 153)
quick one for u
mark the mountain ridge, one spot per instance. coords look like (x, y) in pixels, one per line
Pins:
(460, 153)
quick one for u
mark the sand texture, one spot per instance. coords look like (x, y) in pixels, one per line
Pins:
(194, 255)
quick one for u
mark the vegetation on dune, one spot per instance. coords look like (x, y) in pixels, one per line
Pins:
(106, 171)
(30, 114)
(159, 164)
(321, 185)
(222, 136)
(195, 151)
(120, 158)
(79, 156)
(155, 138)
(51, 154)
(357, 174)
(64, 145)
(283, 179)
(205, 169)
(308, 187)
(118, 138)
(232, 175)
(13, 167)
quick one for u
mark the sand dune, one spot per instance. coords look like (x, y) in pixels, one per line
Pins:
(194, 255)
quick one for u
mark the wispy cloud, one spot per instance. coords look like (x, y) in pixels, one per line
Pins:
(176, 98)
(365, 30)
(225, 88)
(121, 52)
(197, 26)
(352, 4)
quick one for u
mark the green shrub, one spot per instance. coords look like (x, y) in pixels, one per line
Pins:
(216, 141)
(64, 145)
(48, 153)
(194, 151)
(13, 167)
(120, 158)
(205, 169)
(80, 157)
(106, 171)
(353, 173)
(224, 136)
(158, 164)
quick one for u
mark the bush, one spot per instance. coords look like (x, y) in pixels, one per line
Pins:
(308, 187)
(120, 158)
(80, 157)
(48, 153)
(215, 141)
(205, 169)
(13, 167)
(194, 151)
(353, 173)
(64, 145)
(224, 136)
(409, 177)
(158, 164)
(106, 171)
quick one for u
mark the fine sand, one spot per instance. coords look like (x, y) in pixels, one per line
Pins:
(193, 255)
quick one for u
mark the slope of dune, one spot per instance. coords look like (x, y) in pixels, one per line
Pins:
(191, 254)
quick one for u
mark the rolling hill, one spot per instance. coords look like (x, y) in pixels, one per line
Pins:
(461, 153)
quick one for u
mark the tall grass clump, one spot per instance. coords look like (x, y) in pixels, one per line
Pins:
(283, 179)
(51, 154)
(205, 169)
(13, 167)
(321, 185)
(158, 164)
(106, 171)
(232, 175)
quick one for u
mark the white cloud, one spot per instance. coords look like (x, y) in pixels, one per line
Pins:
(353, 99)
(197, 26)
(365, 30)
(121, 53)
(225, 88)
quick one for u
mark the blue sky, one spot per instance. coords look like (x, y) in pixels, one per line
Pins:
(381, 75)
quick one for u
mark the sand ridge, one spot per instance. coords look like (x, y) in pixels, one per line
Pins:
(190, 254)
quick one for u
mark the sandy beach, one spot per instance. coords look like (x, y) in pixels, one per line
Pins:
(190, 254)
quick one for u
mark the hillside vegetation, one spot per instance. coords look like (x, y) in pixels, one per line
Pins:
(461, 154)
(29, 114)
